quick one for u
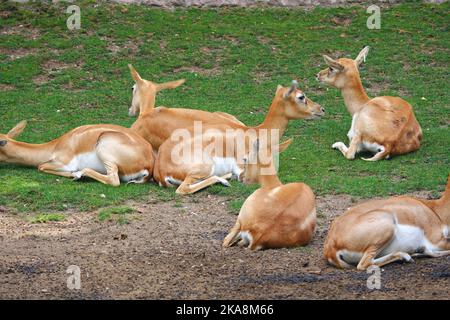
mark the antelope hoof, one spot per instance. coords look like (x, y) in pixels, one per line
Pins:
(77, 175)
(407, 258)
(224, 182)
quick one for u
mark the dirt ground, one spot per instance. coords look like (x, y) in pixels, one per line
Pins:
(173, 251)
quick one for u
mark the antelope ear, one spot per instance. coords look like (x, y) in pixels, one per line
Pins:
(3, 143)
(291, 89)
(14, 132)
(170, 84)
(284, 145)
(137, 78)
(333, 63)
(279, 87)
(362, 56)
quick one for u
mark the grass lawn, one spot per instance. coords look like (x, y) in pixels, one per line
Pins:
(233, 59)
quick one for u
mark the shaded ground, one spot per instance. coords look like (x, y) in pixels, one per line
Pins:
(173, 250)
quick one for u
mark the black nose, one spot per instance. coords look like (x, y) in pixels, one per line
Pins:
(323, 110)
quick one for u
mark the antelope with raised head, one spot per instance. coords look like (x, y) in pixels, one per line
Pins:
(157, 124)
(379, 232)
(106, 153)
(275, 215)
(384, 126)
(224, 161)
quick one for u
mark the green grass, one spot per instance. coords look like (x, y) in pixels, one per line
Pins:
(119, 214)
(46, 217)
(253, 51)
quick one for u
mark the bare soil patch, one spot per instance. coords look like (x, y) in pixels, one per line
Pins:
(214, 71)
(52, 67)
(173, 250)
(6, 87)
(14, 54)
(259, 76)
(115, 48)
(26, 31)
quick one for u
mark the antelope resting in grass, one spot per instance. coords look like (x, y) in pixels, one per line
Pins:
(379, 232)
(275, 215)
(157, 124)
(385, 126)
(106, 153)
(225, 161)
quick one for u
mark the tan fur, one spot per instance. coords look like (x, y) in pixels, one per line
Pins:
(371, 226)
(121, 150)
(157, 124)
(285, 106)
(275, 215)
(386, 121)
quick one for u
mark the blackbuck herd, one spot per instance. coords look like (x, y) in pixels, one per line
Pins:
(376, 232)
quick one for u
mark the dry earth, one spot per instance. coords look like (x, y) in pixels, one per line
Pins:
(173, 251)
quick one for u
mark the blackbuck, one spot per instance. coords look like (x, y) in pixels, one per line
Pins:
(275, 215)
(157, 124)
(220, 157)
(379, 232)
(106, 153)
(384, 126)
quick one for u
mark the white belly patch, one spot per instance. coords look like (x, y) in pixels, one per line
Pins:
(172, 181)
(246, 238)
(351, 132)
(136, 177)
(409, 239)
(349, 257)
(222, 166)
(86, 160)
(371, 147)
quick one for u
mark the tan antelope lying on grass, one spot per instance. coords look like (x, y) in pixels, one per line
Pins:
(275, 215)
(106, 153)
(379, 232)
(221, 162)
(385, 126)
(157, 124)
